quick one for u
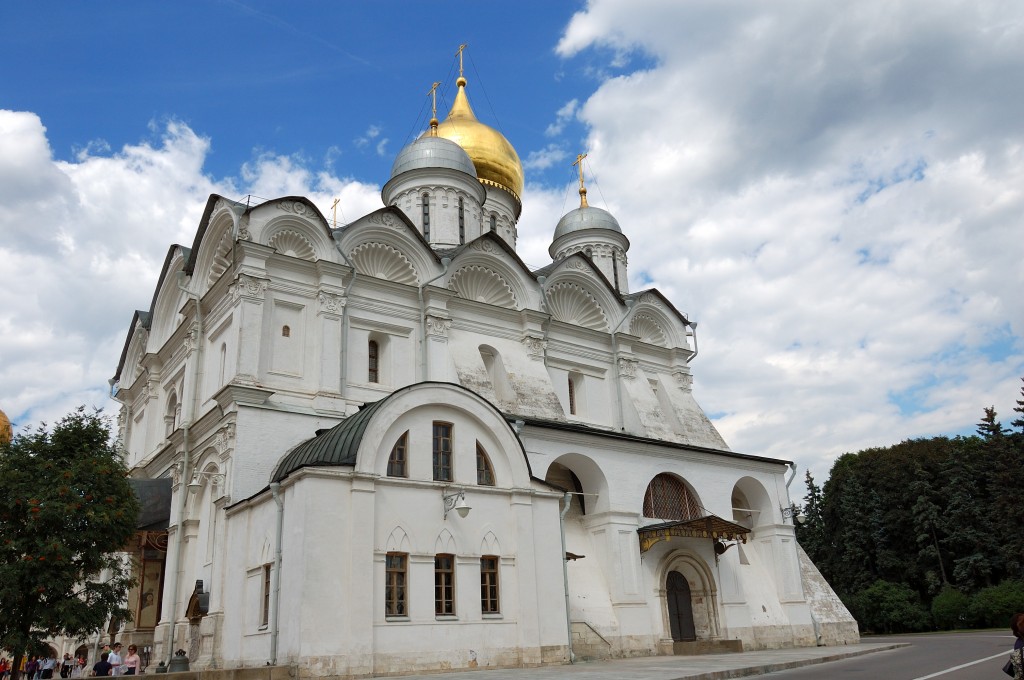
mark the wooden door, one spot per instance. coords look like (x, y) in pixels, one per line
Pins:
(680, 608)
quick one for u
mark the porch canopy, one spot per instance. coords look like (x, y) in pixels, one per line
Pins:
(711, 527)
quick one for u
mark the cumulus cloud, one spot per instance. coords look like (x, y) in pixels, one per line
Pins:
(838, 205)
(84, 242)
(562, 117)
(545, 158)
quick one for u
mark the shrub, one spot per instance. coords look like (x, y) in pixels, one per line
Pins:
(886, 607)
(992, 607)
(950, 609)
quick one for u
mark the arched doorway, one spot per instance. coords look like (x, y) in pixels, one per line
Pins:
(680, 608)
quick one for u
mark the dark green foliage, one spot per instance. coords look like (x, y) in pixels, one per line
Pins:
(885, 607)
(950, 609)
(65, 507)
(941, 516)
(992, 607)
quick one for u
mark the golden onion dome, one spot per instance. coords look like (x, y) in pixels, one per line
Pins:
(6, 431)
(497, 163)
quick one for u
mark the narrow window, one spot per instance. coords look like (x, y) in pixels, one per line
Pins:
(462, 222)
(615, 270)
(484, 472)
(286, 332)
(426, 216)
(442, 452)
(444, 585)
(572, 396)
(372, 355)
(394, 584)
(396, 463)
(489, 585)
(265, 609)
(494, 222)
(223, 361)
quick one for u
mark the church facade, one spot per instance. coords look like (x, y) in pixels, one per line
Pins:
(393, 447)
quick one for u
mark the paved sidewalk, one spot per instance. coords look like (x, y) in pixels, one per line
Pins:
(705, 667)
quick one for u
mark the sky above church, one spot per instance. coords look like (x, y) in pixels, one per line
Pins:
(833, 191)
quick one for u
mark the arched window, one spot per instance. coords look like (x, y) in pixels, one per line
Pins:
(372, 358)
(286, 331)
(396, 462)
(426, 216)
(442, 452)
(494, 222)
(615, 270)
(668, 497)
(223, 361)
(484, 471)
(462, 222)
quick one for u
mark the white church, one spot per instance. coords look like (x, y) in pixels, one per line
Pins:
(392, 447)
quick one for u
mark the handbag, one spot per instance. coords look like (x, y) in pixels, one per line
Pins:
(1008, 668)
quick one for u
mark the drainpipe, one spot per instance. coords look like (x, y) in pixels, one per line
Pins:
(615, 361)
(275, 627)
(565, 574)
(186, 427)
(445, 262)
(343, 371)
(693, 328)
(810, 610)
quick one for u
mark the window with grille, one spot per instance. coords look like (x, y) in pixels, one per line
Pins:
(444, 585)
(396, 461)
(489, 584)
(395, 565)
(265, 605)
(572, 397)
(442, 452)
(668, 497)
(484, 471)
(426, 216)
(462, 222)
(372, 357)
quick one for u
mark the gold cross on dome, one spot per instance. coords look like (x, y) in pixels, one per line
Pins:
(459, 54)
(583, 190)
(334, 206)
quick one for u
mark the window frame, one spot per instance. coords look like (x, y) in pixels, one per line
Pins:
(488, 468)
(265, 599)
(444, 585)
(443, 468)
(373, 361)
(396, 585)
(398, 459)
(490, 585)
(425, 198)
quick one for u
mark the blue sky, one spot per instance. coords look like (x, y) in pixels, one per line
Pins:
(838, 206)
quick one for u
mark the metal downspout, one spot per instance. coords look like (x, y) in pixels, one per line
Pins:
(445, 262)
(186, 427)
(275, 623)
(565, 575)
(693, 328)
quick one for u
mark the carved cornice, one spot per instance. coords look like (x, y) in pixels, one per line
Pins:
(386, 219)
(298, 208)
(248, 287)
(627, 368)
(224, 441)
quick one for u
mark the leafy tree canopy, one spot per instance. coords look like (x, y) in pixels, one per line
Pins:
(65, 509)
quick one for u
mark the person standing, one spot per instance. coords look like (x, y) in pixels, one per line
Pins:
(115, 659)
(1016, 659)
(47, 667)
(132, 662)
(66, 665)
(101, 668)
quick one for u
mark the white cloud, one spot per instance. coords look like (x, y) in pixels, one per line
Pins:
(545, 158)
(838, 205)
(562, 117)
(84, 242)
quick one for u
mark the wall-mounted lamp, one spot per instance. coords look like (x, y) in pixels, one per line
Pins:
(216, 479)
(789, 513)
(455, 501)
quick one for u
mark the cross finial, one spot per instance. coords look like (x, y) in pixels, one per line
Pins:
(433, 109)
(459, 53)
(334, 207)
(583, 189)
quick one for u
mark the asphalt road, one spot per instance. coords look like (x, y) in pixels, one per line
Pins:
(945, 656)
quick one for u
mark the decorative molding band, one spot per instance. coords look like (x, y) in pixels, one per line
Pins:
(386, 219)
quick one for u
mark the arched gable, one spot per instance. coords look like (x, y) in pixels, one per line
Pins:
(386, 239)
(656, 322)
(413, 408)
(751, 504)
(293, 228)
(487, 261)
(214, 256)
(592, 479)
(137, 347)
(167, 302)
(577, 293)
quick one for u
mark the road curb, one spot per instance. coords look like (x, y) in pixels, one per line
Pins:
(764, 669)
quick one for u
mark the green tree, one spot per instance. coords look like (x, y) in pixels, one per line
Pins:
(885, 607)
(66, 508)
(811, 533)
(950, 609)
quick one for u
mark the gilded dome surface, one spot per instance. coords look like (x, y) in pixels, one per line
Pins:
(497, 163)
(6, 431)
(433, 152)
(586, 217)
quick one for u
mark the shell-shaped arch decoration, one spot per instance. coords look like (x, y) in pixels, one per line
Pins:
(381, 261)
(483, 285)
(221, 259)
(570, 303)
(292, 244)
(647, 328)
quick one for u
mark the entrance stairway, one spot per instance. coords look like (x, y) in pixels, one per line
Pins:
(697, 647)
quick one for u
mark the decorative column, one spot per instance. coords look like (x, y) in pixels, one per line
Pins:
(437, 347)
(248, 293)
(329, 314)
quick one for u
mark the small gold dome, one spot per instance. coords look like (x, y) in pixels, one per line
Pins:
(6, 431)
(497, 163)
